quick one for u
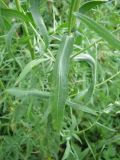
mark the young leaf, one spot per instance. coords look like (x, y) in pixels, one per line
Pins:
(89, 5)
(61, 67)
(28, 68)
(39, 20)
(100, 30)
(90, 60)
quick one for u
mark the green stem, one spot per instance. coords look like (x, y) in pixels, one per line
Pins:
(75, 4)
(18, 6)
(107, 80)
(4, 4)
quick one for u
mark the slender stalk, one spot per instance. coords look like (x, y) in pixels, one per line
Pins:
(75, 4)
(107, 80)
(91, 45)
(18, 6)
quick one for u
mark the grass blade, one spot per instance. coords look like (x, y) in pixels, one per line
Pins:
(28, 68)
(39, 20)
(59, 96)
(100, 30)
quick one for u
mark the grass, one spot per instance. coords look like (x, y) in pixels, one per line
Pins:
(59, 80)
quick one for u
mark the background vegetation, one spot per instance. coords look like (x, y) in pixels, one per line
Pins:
(48, 112)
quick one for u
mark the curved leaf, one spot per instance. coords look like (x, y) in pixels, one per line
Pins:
(90, 60)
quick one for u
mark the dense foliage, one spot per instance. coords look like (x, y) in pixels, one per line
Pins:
(59, 80)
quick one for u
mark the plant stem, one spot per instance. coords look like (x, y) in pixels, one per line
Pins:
(18, 6)
(75, 4)
(107, 80)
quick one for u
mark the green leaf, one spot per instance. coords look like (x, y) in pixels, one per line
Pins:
(17, 92)
(100, 30)
(20, 93)
(39, 20)
(10, 34)
(89, 146)
(14, 14)
(28, 68)
(60, 81)
(67, 151)
(78, 153)
(90, 60)
(79, 107)
(90, 5)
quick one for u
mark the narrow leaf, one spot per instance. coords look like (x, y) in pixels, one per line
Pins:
(90, 5)
(17, 92)
(100, 30)
(89, 146)
(39, 20)
(61, 67)
(28, 68)
(80, 107)
(67, 151)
